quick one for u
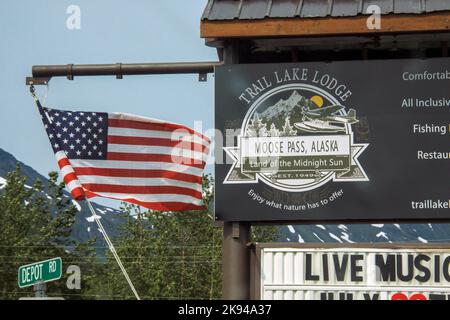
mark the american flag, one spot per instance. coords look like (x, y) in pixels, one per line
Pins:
(152, 163)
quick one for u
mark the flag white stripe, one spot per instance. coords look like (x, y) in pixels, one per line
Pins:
(171, 151)
(66, 170)
(73, 185)
(60, 155)
(153, 197)
(125, 181)
(174, 136)
(129, 116)
(146, 165)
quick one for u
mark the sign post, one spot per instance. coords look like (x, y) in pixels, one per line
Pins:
(39, 290)
(39, 272)
(236, 236)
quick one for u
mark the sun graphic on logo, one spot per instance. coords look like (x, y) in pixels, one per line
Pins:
(318, 101)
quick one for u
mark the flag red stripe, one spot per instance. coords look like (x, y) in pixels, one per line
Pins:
(156, 158)
(78, 193)
(69, 177)
(63, 162)
(90, 194)
(167, 206)
(161, 142)
(94, 187)
(164, 126)
(138, 173)
(160, 206)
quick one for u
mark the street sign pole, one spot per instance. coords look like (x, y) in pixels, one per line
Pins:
(39, 289)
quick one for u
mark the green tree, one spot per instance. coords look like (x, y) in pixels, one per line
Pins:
(172, 255)
(36, 224)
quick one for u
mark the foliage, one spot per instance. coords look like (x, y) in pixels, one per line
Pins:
(168, 255)
(172, 255)
(35, 225)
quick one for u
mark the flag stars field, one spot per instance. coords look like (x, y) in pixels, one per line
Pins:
(73, 136)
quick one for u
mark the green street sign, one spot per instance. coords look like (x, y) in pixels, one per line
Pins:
(43, 271)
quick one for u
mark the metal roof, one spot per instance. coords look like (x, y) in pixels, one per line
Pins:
(260, 9)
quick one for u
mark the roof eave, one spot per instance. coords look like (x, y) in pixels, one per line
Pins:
(325, 26)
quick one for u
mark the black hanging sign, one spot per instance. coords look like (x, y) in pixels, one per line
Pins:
(352, 140)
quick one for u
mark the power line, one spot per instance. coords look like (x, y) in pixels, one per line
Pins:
(109, 295)
(152, 262)
(128, 246)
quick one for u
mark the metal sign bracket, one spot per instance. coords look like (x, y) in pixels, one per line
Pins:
(43, 81)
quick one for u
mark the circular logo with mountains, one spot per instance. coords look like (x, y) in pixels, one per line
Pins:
(296, 137)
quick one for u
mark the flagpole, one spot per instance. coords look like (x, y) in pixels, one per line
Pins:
(112, 249)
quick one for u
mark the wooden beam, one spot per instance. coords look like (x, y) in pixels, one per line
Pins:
(299, 27)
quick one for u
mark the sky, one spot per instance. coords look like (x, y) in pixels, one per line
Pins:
(34, 32)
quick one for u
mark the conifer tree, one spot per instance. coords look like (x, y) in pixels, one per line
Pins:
(257, 127)
(287, 129)
(36, 224)
(172, 255)
(274, 132)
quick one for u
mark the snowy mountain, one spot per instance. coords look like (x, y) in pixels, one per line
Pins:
(349, 233)
(288, 108)
(283, 106)
(85, 227)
